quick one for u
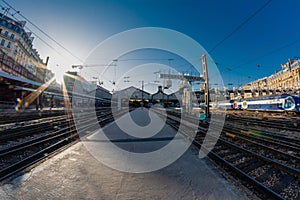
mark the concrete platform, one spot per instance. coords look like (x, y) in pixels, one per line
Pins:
(76, 174)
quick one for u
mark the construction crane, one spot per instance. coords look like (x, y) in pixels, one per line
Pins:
(190, 79)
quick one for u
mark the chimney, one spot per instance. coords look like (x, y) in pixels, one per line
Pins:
(160, 89)
(47, 60)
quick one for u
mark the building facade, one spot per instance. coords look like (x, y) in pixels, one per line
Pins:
(286, 80)
(17, 55)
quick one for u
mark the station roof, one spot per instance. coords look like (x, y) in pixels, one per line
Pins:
(24, 80)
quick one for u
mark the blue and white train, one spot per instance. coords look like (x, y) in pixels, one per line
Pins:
(283, 102)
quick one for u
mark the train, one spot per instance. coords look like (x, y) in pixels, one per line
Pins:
(283, 102)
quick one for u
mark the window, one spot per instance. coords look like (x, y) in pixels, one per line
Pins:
(12, 36)
(6, 33)
(2, 42)
(8, 45)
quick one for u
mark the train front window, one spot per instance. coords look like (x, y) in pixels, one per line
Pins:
(289, 103)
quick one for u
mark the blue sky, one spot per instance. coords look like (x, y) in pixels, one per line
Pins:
(267, 40)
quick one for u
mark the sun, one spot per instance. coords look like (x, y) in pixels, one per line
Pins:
(59, 76)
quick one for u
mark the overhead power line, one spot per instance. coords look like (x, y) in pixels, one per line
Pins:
(270, 46)
(36, 35)
(241, 25)
(47, 35)
(269, 53)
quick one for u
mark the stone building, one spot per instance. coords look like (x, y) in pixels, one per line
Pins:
(17, 55)
(285, 80)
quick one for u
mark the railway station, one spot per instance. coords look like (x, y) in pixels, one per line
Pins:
(149, 114)
(132, 144)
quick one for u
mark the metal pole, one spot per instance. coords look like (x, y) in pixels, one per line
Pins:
(142, 93)
(206, 85)
(119, 100)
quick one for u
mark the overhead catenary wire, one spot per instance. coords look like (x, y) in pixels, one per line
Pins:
(233, 32)
(56, 42)
(272, 44)
(247, 20)
(269, 53)
(276, 41)
(38, 28)
(261, 56)
(36, 35)
(242, 63)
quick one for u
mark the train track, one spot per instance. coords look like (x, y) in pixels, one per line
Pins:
(268, 167)
(272, 113)
(41, 126)
(21, 117)
(47, 124)
(289, 124)
(15, 158)
(286, 143)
